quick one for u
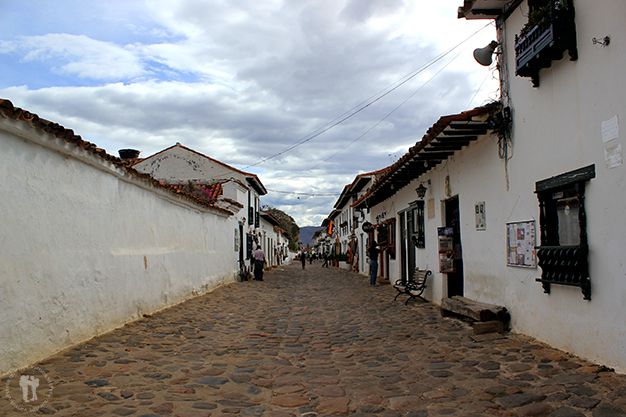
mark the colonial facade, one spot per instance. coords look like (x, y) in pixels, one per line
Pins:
(520, 203)
(89, 243)
(345, 223)
(273, 240)
(182, 166)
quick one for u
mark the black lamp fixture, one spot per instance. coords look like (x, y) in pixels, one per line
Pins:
(484, 56)
(421, 191)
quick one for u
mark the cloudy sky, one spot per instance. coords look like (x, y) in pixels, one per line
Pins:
(262, 85)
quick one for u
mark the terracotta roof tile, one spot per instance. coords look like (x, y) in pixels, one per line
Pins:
(207, 192)
(431, 134)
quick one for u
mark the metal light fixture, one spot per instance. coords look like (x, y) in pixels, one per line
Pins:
(604, 42)
(484, 56)
(421, 191)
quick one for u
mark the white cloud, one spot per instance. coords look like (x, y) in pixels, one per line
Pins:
(88, 58)
(242, 80)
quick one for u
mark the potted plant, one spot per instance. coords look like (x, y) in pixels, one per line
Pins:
(549, 32)
(343, 260)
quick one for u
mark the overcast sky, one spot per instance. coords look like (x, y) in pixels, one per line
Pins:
(242, 81)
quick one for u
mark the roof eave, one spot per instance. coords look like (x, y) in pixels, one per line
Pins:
(423, 157)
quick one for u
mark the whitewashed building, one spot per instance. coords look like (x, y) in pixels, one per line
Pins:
(523, 201)
(88, 244)
(345, 222)
(182, 166)
(272, 239)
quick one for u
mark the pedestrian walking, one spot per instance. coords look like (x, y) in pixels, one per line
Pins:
(373, 252)
(303, 259)
(325, 264)
(259, 261)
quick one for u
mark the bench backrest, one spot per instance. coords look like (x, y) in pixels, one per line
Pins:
(420, 275)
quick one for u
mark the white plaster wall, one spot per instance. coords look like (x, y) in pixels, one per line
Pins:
(270, 239)
(236, 191)
(557, 129)
(179, 165)
(591, 329)
(84, 252)
(426, 258)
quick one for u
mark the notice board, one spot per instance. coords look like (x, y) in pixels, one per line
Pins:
(520, 244)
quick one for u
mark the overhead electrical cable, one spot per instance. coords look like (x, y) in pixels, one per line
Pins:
(388, 114)
(308, 194)
(365, 104)
(477, 91)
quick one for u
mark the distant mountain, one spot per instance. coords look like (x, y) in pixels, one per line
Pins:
(306, 234)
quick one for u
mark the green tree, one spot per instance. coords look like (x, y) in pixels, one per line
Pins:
(288, 224)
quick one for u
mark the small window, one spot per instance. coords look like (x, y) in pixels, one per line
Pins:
(563, 221)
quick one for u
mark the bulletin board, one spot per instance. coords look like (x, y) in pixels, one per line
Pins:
(521, 242)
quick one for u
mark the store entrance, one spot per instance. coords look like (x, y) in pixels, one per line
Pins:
(453, 220)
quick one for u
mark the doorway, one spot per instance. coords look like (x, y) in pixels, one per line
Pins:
(453, 219)
(403, 247)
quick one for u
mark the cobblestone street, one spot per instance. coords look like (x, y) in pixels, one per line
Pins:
(317, 342)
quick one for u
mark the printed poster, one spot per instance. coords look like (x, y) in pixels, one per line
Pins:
(521, 244)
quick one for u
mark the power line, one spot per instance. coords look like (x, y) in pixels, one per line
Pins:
(388, 114)
(307, 194)
(365, 104)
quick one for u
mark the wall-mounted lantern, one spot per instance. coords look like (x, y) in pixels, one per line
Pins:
(421, 191)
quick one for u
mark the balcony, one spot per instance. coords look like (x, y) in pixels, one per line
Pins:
(551, 31)
(565, 265)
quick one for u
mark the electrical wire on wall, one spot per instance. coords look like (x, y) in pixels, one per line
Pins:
(504, 120)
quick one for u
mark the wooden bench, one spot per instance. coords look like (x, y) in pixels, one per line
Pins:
(415, 286)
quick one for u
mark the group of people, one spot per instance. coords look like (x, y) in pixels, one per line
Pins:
(373, 251)
(304, 256)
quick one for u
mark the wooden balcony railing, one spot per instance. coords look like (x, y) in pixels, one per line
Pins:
(565, 265)
(546, 41)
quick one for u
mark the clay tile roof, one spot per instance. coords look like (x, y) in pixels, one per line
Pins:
(9, 111)
(423, 156)
(202, 191)
(252, 178)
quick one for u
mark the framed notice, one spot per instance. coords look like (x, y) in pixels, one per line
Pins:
(520, 244)
(481, 222)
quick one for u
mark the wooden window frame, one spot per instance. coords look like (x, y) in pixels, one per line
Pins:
(563, 264)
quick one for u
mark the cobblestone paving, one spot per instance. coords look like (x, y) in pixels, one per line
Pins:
(318, 342)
